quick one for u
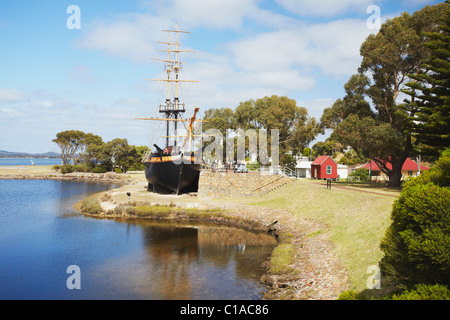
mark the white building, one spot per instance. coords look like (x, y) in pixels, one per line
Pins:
(342, 171)
(303, 167)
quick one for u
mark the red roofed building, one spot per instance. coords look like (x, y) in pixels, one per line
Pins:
(409, 169)
(324, 167)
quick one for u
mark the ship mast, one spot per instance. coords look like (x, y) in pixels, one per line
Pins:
(172, 108)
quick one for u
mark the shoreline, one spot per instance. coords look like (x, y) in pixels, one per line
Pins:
(313, 272)
(109, 177)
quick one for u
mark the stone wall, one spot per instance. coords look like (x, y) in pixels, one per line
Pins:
(230, 184)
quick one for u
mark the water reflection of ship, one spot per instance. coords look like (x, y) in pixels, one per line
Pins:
(174, 249)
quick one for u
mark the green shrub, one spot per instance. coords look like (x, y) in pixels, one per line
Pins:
(56, 167)
(153, 210)
(81, 168)
(67, 168)
(139, 166)
(100, 169)
(438, 175)
(361, 173)
(419, 292)
(349, 295)
(91, 206)
(424, 292)
(417, 244)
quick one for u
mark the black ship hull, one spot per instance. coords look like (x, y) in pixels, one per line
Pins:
(172, 174)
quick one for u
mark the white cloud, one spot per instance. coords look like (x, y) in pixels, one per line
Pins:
(332, 48)
(207, 13)
(315, 107)
(276, 62)
(216, 14)
(325, 8)
(281, 80)
(222, 84)
(266, 51)
(43, 115)
(130, 37)
(210, 67)
(12, 96)
(8, 113)
(82, 74)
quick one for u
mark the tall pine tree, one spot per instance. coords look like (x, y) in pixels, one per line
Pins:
(430, 93)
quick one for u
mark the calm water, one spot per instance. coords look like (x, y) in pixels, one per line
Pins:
(41, 235)
(29, 162)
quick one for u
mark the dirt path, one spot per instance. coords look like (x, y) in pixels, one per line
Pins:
(359, 190)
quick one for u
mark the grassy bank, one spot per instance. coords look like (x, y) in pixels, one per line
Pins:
(26, 170)
(95, 207)
(357, 218)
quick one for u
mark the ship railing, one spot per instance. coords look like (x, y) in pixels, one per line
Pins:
(172, 107)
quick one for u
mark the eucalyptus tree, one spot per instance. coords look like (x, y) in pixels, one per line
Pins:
(70, 142)
(370, 117)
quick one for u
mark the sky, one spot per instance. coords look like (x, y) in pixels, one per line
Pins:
(63, 69)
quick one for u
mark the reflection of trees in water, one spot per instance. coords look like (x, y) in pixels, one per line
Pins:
(233, 236)
(64, 193)
(221, 245)
(165, 241)
(174, 249)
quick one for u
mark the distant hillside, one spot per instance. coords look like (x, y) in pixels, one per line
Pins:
(9, 154)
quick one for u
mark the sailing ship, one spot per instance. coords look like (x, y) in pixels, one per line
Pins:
(174, 169)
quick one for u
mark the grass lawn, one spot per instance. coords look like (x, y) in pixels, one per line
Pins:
(28, 170)
(357, 220)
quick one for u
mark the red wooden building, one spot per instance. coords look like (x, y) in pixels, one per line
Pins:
(410, 168)
(324, 167)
